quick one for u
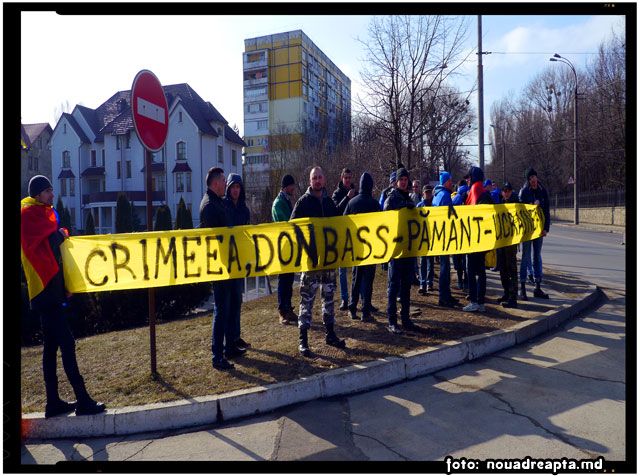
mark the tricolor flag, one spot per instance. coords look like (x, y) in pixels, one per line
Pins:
(37, 222)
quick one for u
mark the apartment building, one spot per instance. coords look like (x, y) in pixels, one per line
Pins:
(96, 155)
(292, 90)
(35, 156)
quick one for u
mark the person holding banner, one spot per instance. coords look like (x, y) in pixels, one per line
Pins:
(477, 195)
(508, 260)
(400, 269)
(460, 260)
(234, 201)
(341, 196)
(534, 193)
(362, 276)
(442, 198)
(213, 214)
(427, 263)
(388, 190)
(281, 211)
(316, 203)
(40, 239)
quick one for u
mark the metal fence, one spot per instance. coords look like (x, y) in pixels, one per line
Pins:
(601, 198)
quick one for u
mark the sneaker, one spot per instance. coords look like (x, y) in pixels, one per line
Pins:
(422, 291)
(409, 326)
(234, 352)
(445, 303)
(394, 329)
(471, 307)
(539, 293)
(353, 315)
(58, 408)
(481, 308)
(510, 304)
(90, 407)
(222, 364)
(343, 305)
(240, 342)
(429, 287)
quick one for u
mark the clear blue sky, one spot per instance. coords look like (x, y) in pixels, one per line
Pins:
(84, 65)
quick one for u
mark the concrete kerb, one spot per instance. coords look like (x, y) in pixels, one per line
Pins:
(344, 381)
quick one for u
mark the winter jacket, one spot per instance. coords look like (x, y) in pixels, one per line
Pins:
(310, 205)
(364, 201)
(398, 199)
(425, 203)
(496, 195)
(54, 294)
(213, 213)
(460, 196)
(478, 195)
(512, 199)
(341, 197)
(529, 195)
(383, 196)
(237, 214)
(282, 207)
(441, 196)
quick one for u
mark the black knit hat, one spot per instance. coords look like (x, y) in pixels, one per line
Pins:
(402, 172)
(287, 180)
(37, 184)
(507, 186)
(529, 172)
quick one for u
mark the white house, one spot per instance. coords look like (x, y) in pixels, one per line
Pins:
(96, 154)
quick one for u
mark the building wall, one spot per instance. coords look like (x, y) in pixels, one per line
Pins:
(39, 150)
(598, 216)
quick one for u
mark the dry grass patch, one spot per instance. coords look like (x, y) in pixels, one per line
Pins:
(116, 365)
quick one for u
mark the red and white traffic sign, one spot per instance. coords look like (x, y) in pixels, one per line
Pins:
(150, 110)
(571, 181)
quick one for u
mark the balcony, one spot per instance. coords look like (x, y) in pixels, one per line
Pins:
(250, 65)
(133, 195)
(255, 82)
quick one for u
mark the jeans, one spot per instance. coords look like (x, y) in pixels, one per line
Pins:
(222, 292)
(444, 280)
(285, 291)
(426, 271)
(344, 289)
(56, 333)
(362, 284)
(400, 278)
(477, 287)
(526, 259)
(235, 305)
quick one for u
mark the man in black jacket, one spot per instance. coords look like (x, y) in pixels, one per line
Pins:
(535, 194)
(213, 214)
(316, 203)
(401, 270)
(362, 203)
(508, 259)
(341, 196)
(41, 237)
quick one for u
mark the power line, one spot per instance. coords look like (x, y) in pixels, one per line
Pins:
(533, 53)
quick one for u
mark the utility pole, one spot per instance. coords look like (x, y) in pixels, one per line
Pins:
(480, 98)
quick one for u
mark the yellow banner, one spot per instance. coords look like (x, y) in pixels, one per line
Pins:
(163, 258)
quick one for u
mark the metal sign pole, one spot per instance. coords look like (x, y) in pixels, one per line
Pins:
(152, 301)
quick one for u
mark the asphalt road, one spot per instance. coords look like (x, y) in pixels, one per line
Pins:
(561, 395)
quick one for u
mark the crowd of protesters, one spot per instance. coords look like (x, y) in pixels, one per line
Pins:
(224, 205)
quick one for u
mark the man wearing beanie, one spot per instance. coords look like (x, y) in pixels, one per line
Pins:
(400, 269)
(281, 211)
(40, 238)
(362, 275)
(477, 195)
(535, 194)
(387, 191)
(442, 198)
(427, 263)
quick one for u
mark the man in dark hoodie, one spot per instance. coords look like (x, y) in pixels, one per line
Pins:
(213, 214)
(362, 203)
(460, 260)
(341, 196)
(508, 260)
(442, 198)
(316, 203)
(401, 270)
(237, 215)
(535, 194)
(477, 195)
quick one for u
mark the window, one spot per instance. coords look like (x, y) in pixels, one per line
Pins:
(220, 154)
(179, 182)
(117, 143)
(263, 141)
(128, 140)
(304, 90)
(63, 188)
(72, 212)
(93, 158)
(234, 160)
(180, 116)
(249, 142)
(181, 150)
(64, 128)
(103, 156)
(252, 92)
(188, 174)
(128, 169)
(72, 187)
(66, 159)
(118, 171)
(94, 186)
(263, 124)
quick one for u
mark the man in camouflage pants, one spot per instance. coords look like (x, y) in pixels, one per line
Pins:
(316, 203)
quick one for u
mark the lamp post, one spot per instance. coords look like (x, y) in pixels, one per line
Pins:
(504, 162)
(557, 57)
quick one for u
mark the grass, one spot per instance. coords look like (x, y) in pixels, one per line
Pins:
(116, 365)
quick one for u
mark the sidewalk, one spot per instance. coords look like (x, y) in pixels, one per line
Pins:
(590, 226)
(536, 318)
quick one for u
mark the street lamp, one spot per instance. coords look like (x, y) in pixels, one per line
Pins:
(504, 163)
(557, 57)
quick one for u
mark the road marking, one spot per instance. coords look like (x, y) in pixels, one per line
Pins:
(150, 110)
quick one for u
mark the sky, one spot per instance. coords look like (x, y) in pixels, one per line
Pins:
(93, 57)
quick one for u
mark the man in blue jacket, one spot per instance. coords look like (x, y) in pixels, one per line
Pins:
(427, 263)
(442, 198)
(362, 275)
(534, 193)
(238, 215)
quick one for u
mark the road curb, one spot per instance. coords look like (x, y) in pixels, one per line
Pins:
(343, 381)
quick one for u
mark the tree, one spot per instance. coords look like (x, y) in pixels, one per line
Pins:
(89, 227)
(124, 221)
(163, 218)
(183, 216)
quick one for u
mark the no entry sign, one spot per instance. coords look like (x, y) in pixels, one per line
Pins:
(150, 110)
